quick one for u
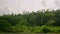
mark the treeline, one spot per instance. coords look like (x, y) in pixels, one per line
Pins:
(15, 22)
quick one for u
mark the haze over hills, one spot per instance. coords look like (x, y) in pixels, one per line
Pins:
(18, 6)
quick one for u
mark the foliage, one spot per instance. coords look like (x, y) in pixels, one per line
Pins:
(31, 22)
(4, 25)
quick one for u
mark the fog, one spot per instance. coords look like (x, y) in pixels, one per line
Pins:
(18, 6)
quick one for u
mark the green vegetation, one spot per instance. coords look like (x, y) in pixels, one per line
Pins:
(35, 22)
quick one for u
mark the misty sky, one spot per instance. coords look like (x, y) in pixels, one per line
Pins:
(18, 6)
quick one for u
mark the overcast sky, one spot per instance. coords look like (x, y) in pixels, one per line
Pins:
(18, 6)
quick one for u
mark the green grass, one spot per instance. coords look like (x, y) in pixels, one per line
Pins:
(39, 29)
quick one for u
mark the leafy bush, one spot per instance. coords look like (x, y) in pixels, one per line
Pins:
(46, 30)
(4, 25)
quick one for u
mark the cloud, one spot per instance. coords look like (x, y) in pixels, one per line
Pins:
(57, 2)
(49, 4)
(4, 11)
(18, 6)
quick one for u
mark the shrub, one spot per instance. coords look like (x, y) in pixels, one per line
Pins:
(46, 30)
(4, 25)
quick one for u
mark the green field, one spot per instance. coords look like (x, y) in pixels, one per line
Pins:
(35, 30)
(38, 29)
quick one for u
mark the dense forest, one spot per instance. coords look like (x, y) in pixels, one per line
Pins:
(41, 21)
